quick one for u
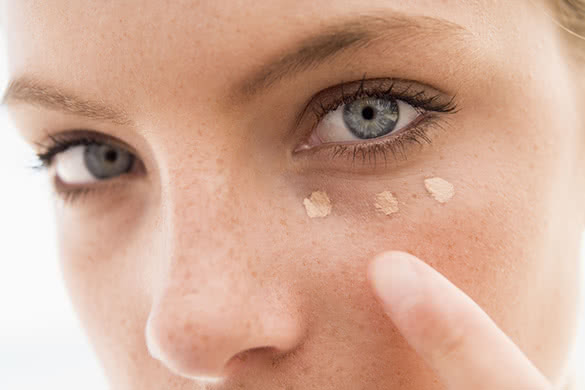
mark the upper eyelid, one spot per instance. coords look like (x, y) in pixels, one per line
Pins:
(392, 84)
(49, 147)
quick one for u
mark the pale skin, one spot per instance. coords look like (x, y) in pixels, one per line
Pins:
(200, 269)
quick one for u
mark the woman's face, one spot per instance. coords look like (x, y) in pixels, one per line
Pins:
(193, 256)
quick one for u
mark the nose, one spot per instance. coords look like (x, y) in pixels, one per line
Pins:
(213, 332)
(220, 305)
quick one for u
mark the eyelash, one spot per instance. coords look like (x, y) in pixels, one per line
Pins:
(59, 144)
(415, 133)
(62, 142)
(432, 106)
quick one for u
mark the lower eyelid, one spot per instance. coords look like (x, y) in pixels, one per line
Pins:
(417, 123)
(361, 157)
(71, 192)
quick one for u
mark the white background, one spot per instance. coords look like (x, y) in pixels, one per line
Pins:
(41, 342)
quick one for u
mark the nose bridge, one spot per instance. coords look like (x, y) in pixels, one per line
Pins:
(203, 212)
(204, 242)
(203, 201)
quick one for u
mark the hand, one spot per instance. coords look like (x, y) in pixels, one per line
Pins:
(446, 328)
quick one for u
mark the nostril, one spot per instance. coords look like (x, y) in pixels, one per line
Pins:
(247, 354)
(243, 356)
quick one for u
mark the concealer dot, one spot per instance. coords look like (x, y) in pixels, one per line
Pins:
(317, 205)
(440, 189)
(386, 203)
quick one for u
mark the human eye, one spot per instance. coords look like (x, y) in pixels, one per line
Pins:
(367, 118)
(84, 161)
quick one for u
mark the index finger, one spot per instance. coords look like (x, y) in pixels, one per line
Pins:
(448, 329)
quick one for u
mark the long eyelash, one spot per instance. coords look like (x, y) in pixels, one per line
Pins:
(58, 145)
(431, 107)
(417, 99)
(70, 195)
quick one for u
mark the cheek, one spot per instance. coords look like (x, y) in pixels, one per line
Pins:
(106, 272)
(503, 248)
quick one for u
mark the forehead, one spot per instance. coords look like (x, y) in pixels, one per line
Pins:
(199, 30)
(162, 46)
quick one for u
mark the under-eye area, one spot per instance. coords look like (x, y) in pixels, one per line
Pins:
(386, 203)
(440, 189)
(317, 205)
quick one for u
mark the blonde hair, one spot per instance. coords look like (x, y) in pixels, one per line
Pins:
(571, 16)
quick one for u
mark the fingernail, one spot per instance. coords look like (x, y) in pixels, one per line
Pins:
(395, 278)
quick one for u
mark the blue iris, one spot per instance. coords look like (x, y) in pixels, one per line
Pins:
(371, 117)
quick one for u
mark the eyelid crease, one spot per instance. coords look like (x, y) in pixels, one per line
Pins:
(381, 88)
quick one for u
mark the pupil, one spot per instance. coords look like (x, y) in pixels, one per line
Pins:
(368, 113)
(111, 156)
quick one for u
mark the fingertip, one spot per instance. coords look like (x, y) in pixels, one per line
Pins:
(447, 328)
(387, 262)
(394, 277)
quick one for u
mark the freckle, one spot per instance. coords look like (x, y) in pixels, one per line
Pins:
(415, 196)
(440, 189)
(318, 205)
(386, 203)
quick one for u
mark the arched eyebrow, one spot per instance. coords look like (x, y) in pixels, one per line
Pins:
(30, 90)
(341, 36)
(332, 39)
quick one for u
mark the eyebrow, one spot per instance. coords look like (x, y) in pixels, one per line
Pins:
(30, 90)
(339, 37)
(333, 39)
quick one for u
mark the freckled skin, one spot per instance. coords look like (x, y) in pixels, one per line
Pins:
(211, 262)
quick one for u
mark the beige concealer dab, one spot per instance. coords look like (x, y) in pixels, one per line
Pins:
(386, 203)
(318, 205)
(440, 189)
